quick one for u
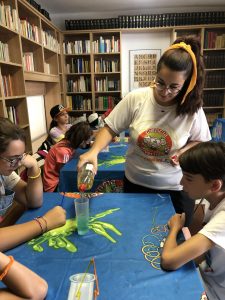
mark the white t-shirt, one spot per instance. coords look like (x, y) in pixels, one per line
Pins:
(7, 183)
(155, 134)
(213, 273)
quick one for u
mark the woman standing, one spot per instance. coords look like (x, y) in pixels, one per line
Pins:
(164, 120)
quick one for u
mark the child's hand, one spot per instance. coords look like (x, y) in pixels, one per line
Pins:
(55, 217)
(177, 221)
(28, 161)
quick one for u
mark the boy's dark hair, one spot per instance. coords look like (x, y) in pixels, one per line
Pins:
(9, 132)
(180, 60)
(78, 133)
(206, 159)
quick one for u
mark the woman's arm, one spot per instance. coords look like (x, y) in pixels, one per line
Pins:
(174, 256)
(103, 138)
(175, 157)
(21, 282)
(14, 235)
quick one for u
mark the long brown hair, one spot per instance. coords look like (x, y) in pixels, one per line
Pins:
(180, 60)
(9, 132)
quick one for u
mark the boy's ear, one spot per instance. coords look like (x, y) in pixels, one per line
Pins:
(216, 185)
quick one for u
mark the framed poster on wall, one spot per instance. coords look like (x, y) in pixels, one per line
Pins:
(143, 64)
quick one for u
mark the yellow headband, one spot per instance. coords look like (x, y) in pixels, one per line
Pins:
(194, 73)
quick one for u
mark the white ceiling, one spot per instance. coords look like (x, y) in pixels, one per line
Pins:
(82, 6)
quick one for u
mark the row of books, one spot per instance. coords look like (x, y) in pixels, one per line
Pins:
(29, 31)
(148, 21)
(8, 17)
(215, 80)
(41, 10)
(214, 60)
(7, 85)
(81, 84)
(103, 65)
(106, 85)
(49, 41)
(77, 47)
(214, 98)
(4, 52)
(105, 102)
(213, 39)
(12, 114)
(28, 61)
(78, 65)
(78, 102)
(102, 45)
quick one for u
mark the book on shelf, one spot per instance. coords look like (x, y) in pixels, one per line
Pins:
(12, 114)
(77, 47)
(7, 85)
(81, 84)
(29, 31)
(4, 52)
(78, 102)
(49, 41)
(28, 61)
(78, 65)
(8, 16)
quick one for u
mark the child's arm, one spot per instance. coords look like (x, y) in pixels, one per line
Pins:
(30, 193)
(173, 255)
(20, 281)
(14, 235)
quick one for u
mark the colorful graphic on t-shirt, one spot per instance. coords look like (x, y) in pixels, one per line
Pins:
(155, 142)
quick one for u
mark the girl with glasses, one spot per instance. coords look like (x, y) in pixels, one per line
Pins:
(164, 120)
(17, 195)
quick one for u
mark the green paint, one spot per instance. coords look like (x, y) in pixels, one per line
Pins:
(114, 160)
(57, 238)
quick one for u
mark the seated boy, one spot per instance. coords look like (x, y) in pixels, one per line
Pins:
(203, 169)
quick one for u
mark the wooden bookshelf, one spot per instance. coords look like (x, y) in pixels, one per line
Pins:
(28, 38)
(92, 70)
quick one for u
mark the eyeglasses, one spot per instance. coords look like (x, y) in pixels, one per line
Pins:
(171, 90)
(14, 161)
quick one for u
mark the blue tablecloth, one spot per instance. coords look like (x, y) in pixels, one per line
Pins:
(110, 166)
(218, 130)
(127, 268)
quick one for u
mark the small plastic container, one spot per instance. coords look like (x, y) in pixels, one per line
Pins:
(85, 177)
(81, 287)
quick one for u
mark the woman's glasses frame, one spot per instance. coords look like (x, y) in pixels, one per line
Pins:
(161, 87)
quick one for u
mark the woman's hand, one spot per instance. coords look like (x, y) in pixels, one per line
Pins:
(174, 159)
(55, 217)
(177, 222)
(88, 157)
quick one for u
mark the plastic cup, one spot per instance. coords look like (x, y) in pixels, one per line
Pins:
(82, 214)
(122, 137)
(81, 287)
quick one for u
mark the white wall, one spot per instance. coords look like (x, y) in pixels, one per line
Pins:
(134, 41)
